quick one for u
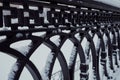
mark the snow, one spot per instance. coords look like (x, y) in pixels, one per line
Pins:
(101, 32)
(47, 66)
(2, 38)
(6, 12)
(39, 58)
(14, 20)
(72, 57)
(5, 28)
(105, 39)
(6, 62)
(90, 70)
(32, 21)
(42, 34)
(37, 27)
(66, 31)
(78, 36)
(117, 76)
(49, 60)
(67, 49)
(56, 40)
(25, 75)
(111, 36)
(33, 7)
(90, 33)
(22, 46)
(23, 28)
(57, 73)
(77, 69)
(51, 26)
(87, 47)
(116, 34)
(26, 14)
(96, 42)
(13, 71)
(115, 3)
(43, 52)
(1, 4)
(101, 68)
(44, 14)
(18, 35)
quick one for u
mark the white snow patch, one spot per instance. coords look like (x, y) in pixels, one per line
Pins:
(44, 76)
(18, 35)
(78, 36)
(39, 33)
(67, 49)
(115, 3)
(14, 20)
(37, 27)
(26, 75)
(72, 56)
(96, 42)
(91, 69)
(26, 14)
(51, 26)
(31, 21)
(56, 73)
(22, 46)
(57, 76)
(39, 58)
(90, 33)
(6, 62)
(101, 31)
(56, 40)
(66, 31)
(5, 28)
(23, 28)
(45, 10)
(2, 38)
(47, 66)
(33, 7)
(1, 4)
(77, 70)
(87, 47)
(13, 71)
(6, 12)
(105, 39)
(111, 36)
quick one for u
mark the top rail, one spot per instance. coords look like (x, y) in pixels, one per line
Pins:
(44, 15)
(86, 3)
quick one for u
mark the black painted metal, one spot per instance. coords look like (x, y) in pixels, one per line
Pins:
(84, 18)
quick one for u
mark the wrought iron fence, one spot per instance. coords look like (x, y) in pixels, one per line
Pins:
(74, 20)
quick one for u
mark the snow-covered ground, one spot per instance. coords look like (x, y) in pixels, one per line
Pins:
(115, 3)
(42, 55)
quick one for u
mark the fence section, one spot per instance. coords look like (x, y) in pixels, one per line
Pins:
(93, 31)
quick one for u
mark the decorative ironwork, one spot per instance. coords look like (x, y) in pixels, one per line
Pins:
(20, 19)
